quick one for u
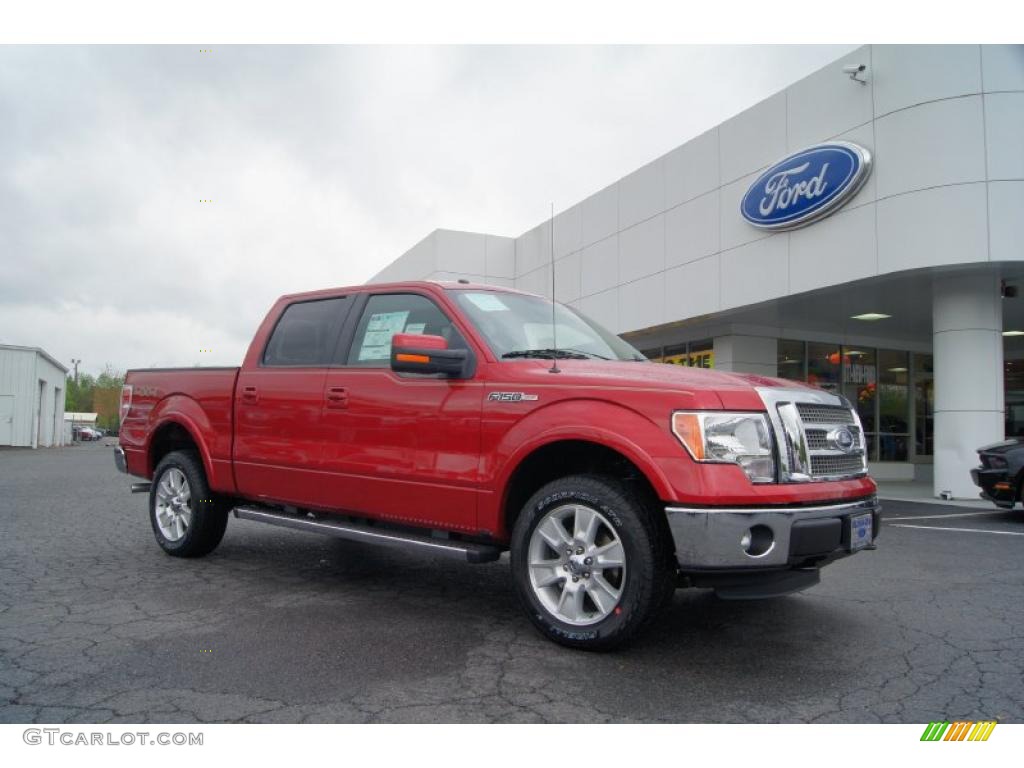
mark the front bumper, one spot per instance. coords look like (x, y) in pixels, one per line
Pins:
(995, 485)
(709, 538)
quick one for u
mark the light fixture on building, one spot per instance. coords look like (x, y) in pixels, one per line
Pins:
(1013, 333)
(871, 316)
(853, 70)
(897, 370)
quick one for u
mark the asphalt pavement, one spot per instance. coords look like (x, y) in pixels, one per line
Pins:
(97, 624)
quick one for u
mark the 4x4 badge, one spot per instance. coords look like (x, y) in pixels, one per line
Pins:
(510, 397)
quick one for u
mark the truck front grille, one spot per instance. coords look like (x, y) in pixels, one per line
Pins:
(812, 413)
(818, 435)
(847, 465)
(817, 439)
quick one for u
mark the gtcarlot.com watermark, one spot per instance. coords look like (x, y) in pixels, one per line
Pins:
(73, 738)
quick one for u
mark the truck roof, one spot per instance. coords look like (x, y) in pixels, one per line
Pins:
(447, 285)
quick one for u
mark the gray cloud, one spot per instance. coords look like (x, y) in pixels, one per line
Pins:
(323, 164)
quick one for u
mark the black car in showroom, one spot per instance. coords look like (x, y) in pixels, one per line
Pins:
(1000, 474)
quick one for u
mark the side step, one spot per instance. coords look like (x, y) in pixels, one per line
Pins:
(346, 529)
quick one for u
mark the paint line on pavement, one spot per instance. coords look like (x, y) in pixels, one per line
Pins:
(957, 514)
(960, 530)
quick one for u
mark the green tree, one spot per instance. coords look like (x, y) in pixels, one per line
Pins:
(78, 397)
(96, 394)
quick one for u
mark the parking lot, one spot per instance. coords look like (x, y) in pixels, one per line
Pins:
(98, 625)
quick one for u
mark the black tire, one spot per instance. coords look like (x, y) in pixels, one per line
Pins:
(209, 512)
(649, 579)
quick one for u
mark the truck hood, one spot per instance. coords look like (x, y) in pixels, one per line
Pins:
(709, 387)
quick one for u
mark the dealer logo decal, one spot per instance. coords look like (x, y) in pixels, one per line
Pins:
(959, 731)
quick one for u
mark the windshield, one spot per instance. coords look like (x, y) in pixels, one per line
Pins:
(519, 325)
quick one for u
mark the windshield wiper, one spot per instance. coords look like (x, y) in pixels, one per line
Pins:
(581, 352)
(548, 354)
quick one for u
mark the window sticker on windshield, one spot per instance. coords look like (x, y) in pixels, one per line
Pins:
(415, 327)
(381, 352)
(377, 339)
(388, 321)
(488, 302)
(379, 330)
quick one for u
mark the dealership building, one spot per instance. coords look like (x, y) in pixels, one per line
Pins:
(862, 230)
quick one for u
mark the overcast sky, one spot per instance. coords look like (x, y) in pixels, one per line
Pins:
(323, 164)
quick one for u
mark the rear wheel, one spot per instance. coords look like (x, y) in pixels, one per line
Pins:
(188, 520)
(588, 563)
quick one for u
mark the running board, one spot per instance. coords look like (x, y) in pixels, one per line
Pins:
(464, 550)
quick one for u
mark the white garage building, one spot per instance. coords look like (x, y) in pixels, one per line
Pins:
(903, 296)
(32, 389)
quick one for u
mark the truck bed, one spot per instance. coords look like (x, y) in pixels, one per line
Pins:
(202, 398)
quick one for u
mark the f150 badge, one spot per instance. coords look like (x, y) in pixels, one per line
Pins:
(510, 397)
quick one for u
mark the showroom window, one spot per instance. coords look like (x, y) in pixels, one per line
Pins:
(695, 354)
(877, 382)
(860, 386)
(893, 405)
(1013, 385)
(823, 366)
(924, 405)
(792, 362)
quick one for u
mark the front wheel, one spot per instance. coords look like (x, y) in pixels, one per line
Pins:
(187, 519)
(588, 563)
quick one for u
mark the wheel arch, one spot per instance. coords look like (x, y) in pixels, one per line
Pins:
(176, 430)
(565, 456)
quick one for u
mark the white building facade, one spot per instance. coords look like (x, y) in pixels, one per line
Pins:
(903, 297)
(32, 392)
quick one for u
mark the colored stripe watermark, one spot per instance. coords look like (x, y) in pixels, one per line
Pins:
(960, 730)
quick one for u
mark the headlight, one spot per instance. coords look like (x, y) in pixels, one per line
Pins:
(728, 438)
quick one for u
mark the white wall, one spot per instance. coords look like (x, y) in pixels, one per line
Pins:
(20, 373)
(667, 242)
(447, 254)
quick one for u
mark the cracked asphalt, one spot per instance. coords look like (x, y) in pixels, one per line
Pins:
(98, 625)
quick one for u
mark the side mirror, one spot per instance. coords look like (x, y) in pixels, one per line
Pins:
(421, 353)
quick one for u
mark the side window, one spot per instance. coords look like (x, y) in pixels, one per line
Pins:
(306, 333)
(391, 313)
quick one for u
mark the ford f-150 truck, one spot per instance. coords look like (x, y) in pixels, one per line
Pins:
(469, 420)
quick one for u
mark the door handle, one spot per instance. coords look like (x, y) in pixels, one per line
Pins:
(250, 395)
(337, 397)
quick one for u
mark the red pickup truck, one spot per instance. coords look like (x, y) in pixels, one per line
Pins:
(468, 420)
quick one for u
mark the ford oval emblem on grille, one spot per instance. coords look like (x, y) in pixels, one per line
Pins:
(842, 438)
(806, 186)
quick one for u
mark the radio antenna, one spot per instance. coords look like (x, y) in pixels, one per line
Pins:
(554, 331)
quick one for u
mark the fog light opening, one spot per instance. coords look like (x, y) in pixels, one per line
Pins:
(758, 541)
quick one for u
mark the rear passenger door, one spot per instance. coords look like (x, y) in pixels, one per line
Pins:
(403, 447)
(278, 431)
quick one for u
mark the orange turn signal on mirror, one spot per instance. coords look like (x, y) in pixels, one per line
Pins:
(686, 427)
(406, 358)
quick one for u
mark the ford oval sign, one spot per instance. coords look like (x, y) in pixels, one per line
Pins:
(806, 186)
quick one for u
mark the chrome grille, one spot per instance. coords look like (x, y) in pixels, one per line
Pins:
(833, 465)
(806, 424)
(812, 413)
(817, 439)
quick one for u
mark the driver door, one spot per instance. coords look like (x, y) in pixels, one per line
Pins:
(401, 447)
